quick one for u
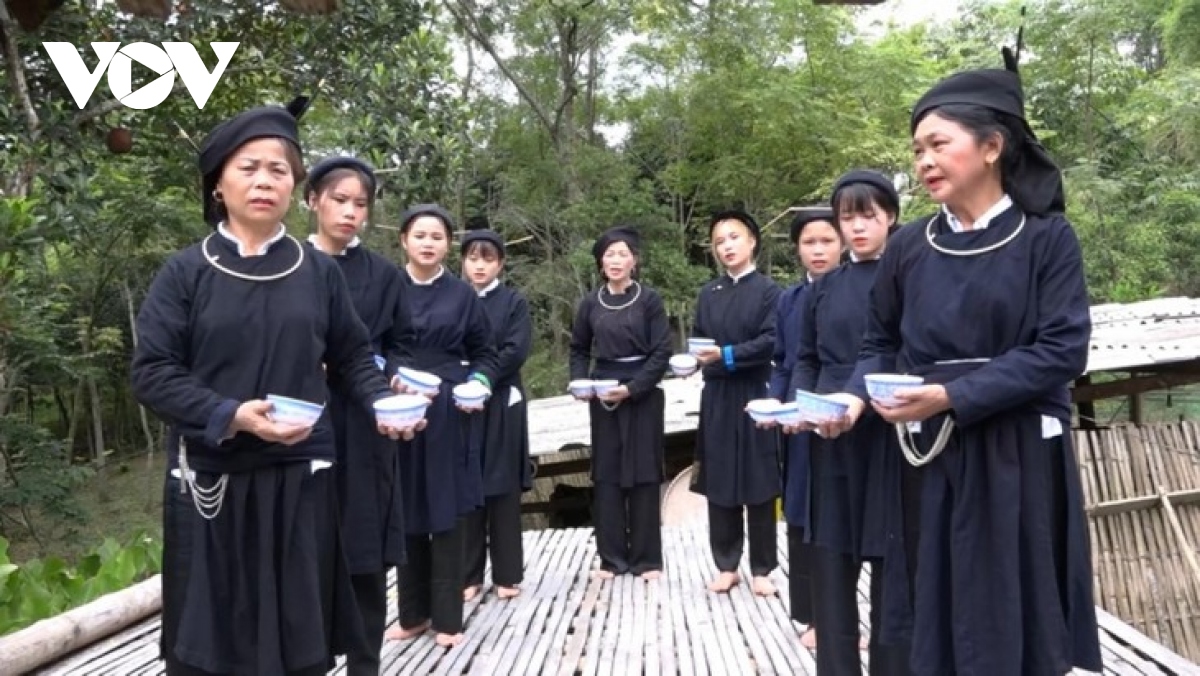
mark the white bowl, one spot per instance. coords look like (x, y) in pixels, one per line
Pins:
(684, 365)
(789, 414)
(696, 344)
(883, 386)
(471, 394)
(294, 411)
(420, 381)
(818, 409)
(603, 387)
(401, 410)
(763, 410)
(580, 388)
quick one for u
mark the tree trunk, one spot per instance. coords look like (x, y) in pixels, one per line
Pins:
(97, 422)
(145, 419)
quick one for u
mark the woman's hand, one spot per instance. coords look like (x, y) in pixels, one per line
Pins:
(832, 429)
(916, 404)
(397, 433)
(616, 394)
(254, 418)
(708, 355)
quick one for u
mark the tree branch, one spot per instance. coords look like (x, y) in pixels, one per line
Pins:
(16, 72)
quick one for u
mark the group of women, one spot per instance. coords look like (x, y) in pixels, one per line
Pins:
(964, 498)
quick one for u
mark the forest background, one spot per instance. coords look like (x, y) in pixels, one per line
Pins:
(554, 118)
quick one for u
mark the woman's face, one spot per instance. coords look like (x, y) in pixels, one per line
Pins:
(866, 231)
(950, 160)
(819, 247)
(341, 209)
(733, 244)
(481, 268)
(426, 241)
(618, 262)
(256, 183)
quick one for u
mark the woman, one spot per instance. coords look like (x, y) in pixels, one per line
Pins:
(340, 192)
(738, 463)
(441, 472)
(503, 430)
(623, 327)
(818, 246)
(254, 579)
(986, 300)
(855, 479)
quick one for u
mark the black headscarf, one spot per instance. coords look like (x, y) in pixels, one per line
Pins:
(322, 168)
(1034, 181)
(416, 210)
(621, 233)
(227, 137)
(482, 235)
(808, 215)
(741, 216)
(871, 178)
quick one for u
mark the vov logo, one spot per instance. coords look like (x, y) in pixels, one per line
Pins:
(117, 62)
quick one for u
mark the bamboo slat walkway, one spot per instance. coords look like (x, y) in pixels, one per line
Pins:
(567, 623)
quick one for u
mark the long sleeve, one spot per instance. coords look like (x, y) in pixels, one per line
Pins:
(808, 359)
(517, 340)
(782, 358)
(581, 341)
(659, 332)
(348, 353)
(1058, 354)
(881, 340)
(479, 341)
(161, 379)
(401, 336)
(757, 350)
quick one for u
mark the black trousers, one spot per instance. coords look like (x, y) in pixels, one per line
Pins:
(430, 584)
(370, 591)
(726, 531)
(176, 668)
(835, 611)
(494, 529)
(628, 523)
(800, 584)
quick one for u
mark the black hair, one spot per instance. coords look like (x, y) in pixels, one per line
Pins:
(862, 198)
(335, 176)
(804, 226)
(406, 225)
(483, 248)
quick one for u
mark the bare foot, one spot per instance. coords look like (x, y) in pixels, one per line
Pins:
(809, 638)
(398, 633)
(448, 640)
(651, 575)
(723, 583)
(470, 592)
(507, 592)
(762, 586)
(603, 574)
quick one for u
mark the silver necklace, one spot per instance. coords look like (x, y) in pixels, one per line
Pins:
(970, 252)
(600, 298)
(212, 260)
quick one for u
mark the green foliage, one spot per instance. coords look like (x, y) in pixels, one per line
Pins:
(43, 588)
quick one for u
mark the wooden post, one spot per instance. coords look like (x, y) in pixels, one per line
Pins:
(1136, 413)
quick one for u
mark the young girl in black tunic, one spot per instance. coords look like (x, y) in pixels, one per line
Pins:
(738, 462)
(441, 471)
(986, 300)
(503, 429)
(254, 578)
(855, 478)
(817, 243)
(339, 192)
(623, 327)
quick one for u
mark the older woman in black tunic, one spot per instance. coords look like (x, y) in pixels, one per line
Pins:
(503, 430)
(986, 300)
(855, 479)
(441, 471)
(254, 580)
(739, 468)
(623, 327)
(339, 192)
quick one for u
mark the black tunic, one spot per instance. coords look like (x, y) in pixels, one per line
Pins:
(631, 344)
(372, 508)
(796, 446)
(504, 425)
(441, 471)
(739, 463)
(1003, 572)
(855, 477)
(261, 587)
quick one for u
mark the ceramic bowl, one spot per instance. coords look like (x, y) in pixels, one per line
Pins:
(294, 411)
(471, 394)
(683, 365)
(580, 388)
(789, 414)
(420, 381)
(697, 344)
(883, 386)
(603, 387)
(815, 408)
(763, 410)
(401, 410)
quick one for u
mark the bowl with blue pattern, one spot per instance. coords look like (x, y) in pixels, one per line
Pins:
(816, 408)
(882, 387)
(289, 411)
(420, 382)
